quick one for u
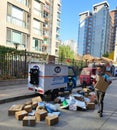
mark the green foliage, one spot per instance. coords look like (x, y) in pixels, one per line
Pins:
(66, 52)
(106, 54)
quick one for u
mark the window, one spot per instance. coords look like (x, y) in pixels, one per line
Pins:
(37, 27)
(14, 36)
(16, 16)
(36, 46)
(45, 41)
(37, 8)
(24, 2)
(70, 72)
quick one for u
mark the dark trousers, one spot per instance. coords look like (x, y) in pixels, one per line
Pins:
(100, 98)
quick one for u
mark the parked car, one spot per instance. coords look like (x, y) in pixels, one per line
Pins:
(87, 75)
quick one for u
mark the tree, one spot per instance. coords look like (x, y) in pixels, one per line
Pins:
(66, 52)
(105, 54)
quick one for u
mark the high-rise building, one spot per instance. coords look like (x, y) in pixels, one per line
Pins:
(85, 33)
(101, 29)
(113, 14)
(94, 31)
(33, 25)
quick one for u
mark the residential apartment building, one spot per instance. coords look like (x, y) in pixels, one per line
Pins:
(96, 34)
(33, 25)
(113, 14)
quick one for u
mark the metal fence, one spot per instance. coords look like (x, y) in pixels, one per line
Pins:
(14, 64)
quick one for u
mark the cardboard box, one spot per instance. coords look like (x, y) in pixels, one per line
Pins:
(28, 103)
(86, 90)
(15, 108)
(41, 105)
(52, 120)
(28, 108)
(90, 105)
(21, 114)
(37, 99)
(29, 121)
(40, 115)
(34, 105)
(101, 84)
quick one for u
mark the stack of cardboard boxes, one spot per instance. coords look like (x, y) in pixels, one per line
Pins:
(34, 111)
(30, 113)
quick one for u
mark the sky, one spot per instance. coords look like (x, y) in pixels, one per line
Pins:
(70, 11)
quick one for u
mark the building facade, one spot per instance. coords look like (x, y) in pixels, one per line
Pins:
(33, 25)
(72, 44)
(113, 14)
(85, 33)
(96, 31)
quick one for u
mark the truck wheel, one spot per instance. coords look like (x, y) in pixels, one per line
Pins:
(54, 93)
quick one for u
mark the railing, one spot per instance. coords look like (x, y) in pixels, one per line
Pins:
(15, 64)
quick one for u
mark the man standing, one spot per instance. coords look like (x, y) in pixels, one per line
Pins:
(99, 94)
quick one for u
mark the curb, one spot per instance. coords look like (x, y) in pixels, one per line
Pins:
(16, 98)
(12, 82)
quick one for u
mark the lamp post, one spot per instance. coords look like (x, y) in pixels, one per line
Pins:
(16, 46)
(25, 64)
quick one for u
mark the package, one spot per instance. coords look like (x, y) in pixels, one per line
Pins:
(21, 114)
(52, 120)
(40, 115)
(41, 105)
(37, 99)
(28, 103)
(28, 108)
(32, 113)
(29, 121)
(34, 104)
(15, 108)
(92, 98)
(73, 107)
(90, 105)
(101, 84)
(51, 108)
(54, 113)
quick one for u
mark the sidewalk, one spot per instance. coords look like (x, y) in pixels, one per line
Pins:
(14, 92)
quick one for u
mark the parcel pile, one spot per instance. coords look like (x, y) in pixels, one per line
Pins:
(34, 111)
(83, 99)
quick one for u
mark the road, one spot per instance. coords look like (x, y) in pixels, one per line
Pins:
(69, 120)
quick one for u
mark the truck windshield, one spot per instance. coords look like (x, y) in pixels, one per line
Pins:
(85, 72)
(70, 72)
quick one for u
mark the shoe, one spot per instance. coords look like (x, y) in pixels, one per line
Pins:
(98, 111)
(101, 115)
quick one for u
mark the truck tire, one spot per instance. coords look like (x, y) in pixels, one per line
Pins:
(54, 93)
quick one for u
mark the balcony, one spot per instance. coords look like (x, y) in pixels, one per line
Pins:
(42, 1)
(46, 27)
(47, 2)
(16, 21)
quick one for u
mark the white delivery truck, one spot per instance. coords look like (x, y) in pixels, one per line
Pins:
(43, 77)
